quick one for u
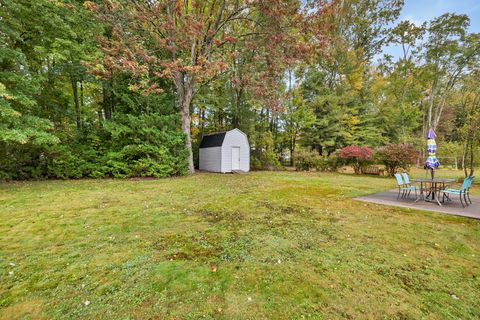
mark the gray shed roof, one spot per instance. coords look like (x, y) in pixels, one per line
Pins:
(213, 140)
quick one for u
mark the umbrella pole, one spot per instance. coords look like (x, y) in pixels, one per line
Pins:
(432, 173)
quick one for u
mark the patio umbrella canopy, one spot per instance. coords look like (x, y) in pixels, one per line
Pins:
(432, 162)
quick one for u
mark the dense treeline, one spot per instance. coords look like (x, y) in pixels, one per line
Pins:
(128, 88)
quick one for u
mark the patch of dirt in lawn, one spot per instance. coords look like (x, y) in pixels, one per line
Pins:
(31, 309)
(204, 247)
(199, 246)
(410, 276)
(275, 209)
(215, 216)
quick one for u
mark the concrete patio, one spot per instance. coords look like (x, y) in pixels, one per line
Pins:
(389, 198)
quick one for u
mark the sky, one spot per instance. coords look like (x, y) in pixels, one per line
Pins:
(418, 11)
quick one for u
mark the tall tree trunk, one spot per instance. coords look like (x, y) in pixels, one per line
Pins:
(424, 122)
(185, 88)
(112, 96)
(186, 121)
(238, 105)
(293, 142)
(430, 110)
(104, 113)
(472, 161)
(76, 102)
(464, 157)
(202, 128)
(432, 100)
(81, 95)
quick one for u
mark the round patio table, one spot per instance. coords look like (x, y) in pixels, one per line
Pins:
(436, 185)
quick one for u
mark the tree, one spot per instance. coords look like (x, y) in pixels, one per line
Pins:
(337, 84)
(404, 81)
(17, 128)
(448, 51)
(121, 87)
(470, 124)
(187, 41)
(396, 156)
(297, 117)
(22, 125)
(356, 156)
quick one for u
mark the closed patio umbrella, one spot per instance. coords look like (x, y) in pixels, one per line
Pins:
(432, 162)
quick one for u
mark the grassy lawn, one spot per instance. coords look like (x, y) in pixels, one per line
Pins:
(265, 245)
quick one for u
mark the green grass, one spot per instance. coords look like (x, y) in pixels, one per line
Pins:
(264, 245)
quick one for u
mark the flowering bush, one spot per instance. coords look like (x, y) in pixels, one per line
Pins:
(396, 156)
(356, 156)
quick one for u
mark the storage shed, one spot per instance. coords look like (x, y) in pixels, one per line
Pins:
(225, 152)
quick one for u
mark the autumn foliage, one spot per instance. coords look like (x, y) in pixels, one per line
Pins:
(356, 156)
(397, 156)
(192, 42)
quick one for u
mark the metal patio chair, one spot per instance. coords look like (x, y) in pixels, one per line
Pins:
(406, 178)
(405, 189)
(463, 192)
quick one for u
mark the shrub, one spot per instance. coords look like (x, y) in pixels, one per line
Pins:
(333, 162)
(24, 161)
(306, 159)
(263, 155)
(118, 168)
(322, 163)
(357, 157)
(128, 146)
(397, 156)
(145, 146)
(64, 164)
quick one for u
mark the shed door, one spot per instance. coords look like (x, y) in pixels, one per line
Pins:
(235, 158)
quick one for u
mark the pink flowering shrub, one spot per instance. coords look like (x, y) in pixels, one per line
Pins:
(357, 157)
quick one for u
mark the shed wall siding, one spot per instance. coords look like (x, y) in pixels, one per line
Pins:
(235, 138)
(210, 159)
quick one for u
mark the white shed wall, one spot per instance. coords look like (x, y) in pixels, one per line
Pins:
(210, 159)
(235, 138)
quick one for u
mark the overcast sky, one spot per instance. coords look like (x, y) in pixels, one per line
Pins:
(418, 11)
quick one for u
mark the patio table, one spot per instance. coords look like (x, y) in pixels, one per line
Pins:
(436, 185)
